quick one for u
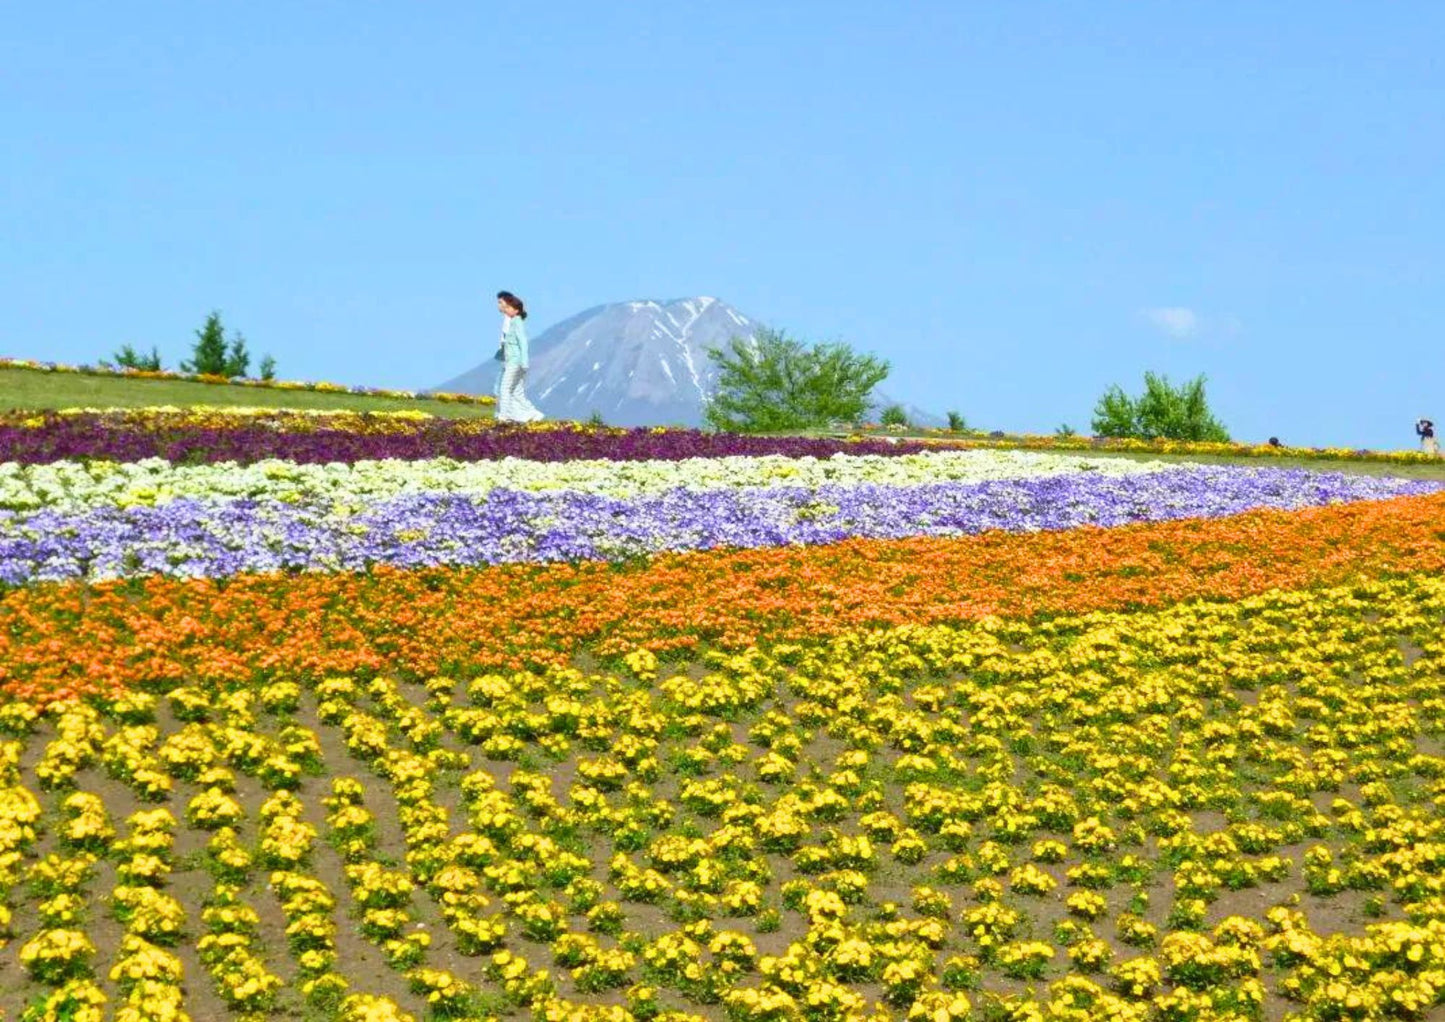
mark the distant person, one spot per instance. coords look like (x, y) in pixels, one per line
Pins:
(1425, 429)
(512, 403)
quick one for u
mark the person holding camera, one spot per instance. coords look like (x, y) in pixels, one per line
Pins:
(1425, 429)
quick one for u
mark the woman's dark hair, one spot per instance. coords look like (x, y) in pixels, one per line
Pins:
(514, 302)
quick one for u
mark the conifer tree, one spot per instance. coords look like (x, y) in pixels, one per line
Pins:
(238, 362)
(209, 355)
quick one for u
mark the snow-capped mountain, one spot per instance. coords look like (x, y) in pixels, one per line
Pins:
(638, 363)
(641, 363)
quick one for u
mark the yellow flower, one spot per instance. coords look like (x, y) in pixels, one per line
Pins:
(54, 955)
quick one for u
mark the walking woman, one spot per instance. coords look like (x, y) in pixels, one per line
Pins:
(512, 403)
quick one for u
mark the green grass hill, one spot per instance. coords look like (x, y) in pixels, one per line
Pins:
(31, 388)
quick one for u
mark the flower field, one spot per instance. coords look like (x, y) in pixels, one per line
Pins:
(360, 718)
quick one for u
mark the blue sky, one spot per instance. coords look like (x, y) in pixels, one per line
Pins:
(1017, 204)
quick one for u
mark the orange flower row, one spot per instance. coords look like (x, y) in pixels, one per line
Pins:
(63, 640)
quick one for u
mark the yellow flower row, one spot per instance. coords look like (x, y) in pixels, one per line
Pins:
(1129, 445)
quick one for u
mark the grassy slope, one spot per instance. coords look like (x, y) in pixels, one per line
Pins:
(26, 388)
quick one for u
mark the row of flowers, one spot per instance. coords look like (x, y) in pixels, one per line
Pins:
(60, 954)
(188, 438)
(190, 538)
(251, 435)
(1161, 445)
(220, 733)
(61, 640)
(384, 421)
(74, 486)
(240, 381)
(644, 829)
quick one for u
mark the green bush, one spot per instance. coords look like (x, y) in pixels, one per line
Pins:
(128, 358)
(775, 383)
(1163, 411)
(893, 415)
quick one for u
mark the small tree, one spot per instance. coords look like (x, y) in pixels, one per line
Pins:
(956, 423)
(209, 355)
(779, 383)
(1178, 413)
(128, 358)
(894, 415)
(1065, 431)
(1114, 414)
(238, 360)
(267, 369)
(1163, 411)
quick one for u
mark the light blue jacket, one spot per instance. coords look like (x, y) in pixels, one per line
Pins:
(514, 342)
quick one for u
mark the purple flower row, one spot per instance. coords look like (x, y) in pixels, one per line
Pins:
(194, 538)
(93, 436)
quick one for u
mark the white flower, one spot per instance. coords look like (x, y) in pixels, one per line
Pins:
(73, 486)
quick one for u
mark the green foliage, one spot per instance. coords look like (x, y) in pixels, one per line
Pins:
(780, 383)
(212, 355)
(238, 363)
(1114, 414)
(208, 355)
(267, 369)
(595, 419)
(893, 415)
(1163, 411)
(956, 423)
(1065, 430)
(129, 358)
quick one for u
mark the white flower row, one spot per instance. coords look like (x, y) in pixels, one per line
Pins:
(74, 486)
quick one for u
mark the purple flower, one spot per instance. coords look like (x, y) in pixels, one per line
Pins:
(94, 436)
(215, 538)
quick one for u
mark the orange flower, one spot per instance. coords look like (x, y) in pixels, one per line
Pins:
(75, 640)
